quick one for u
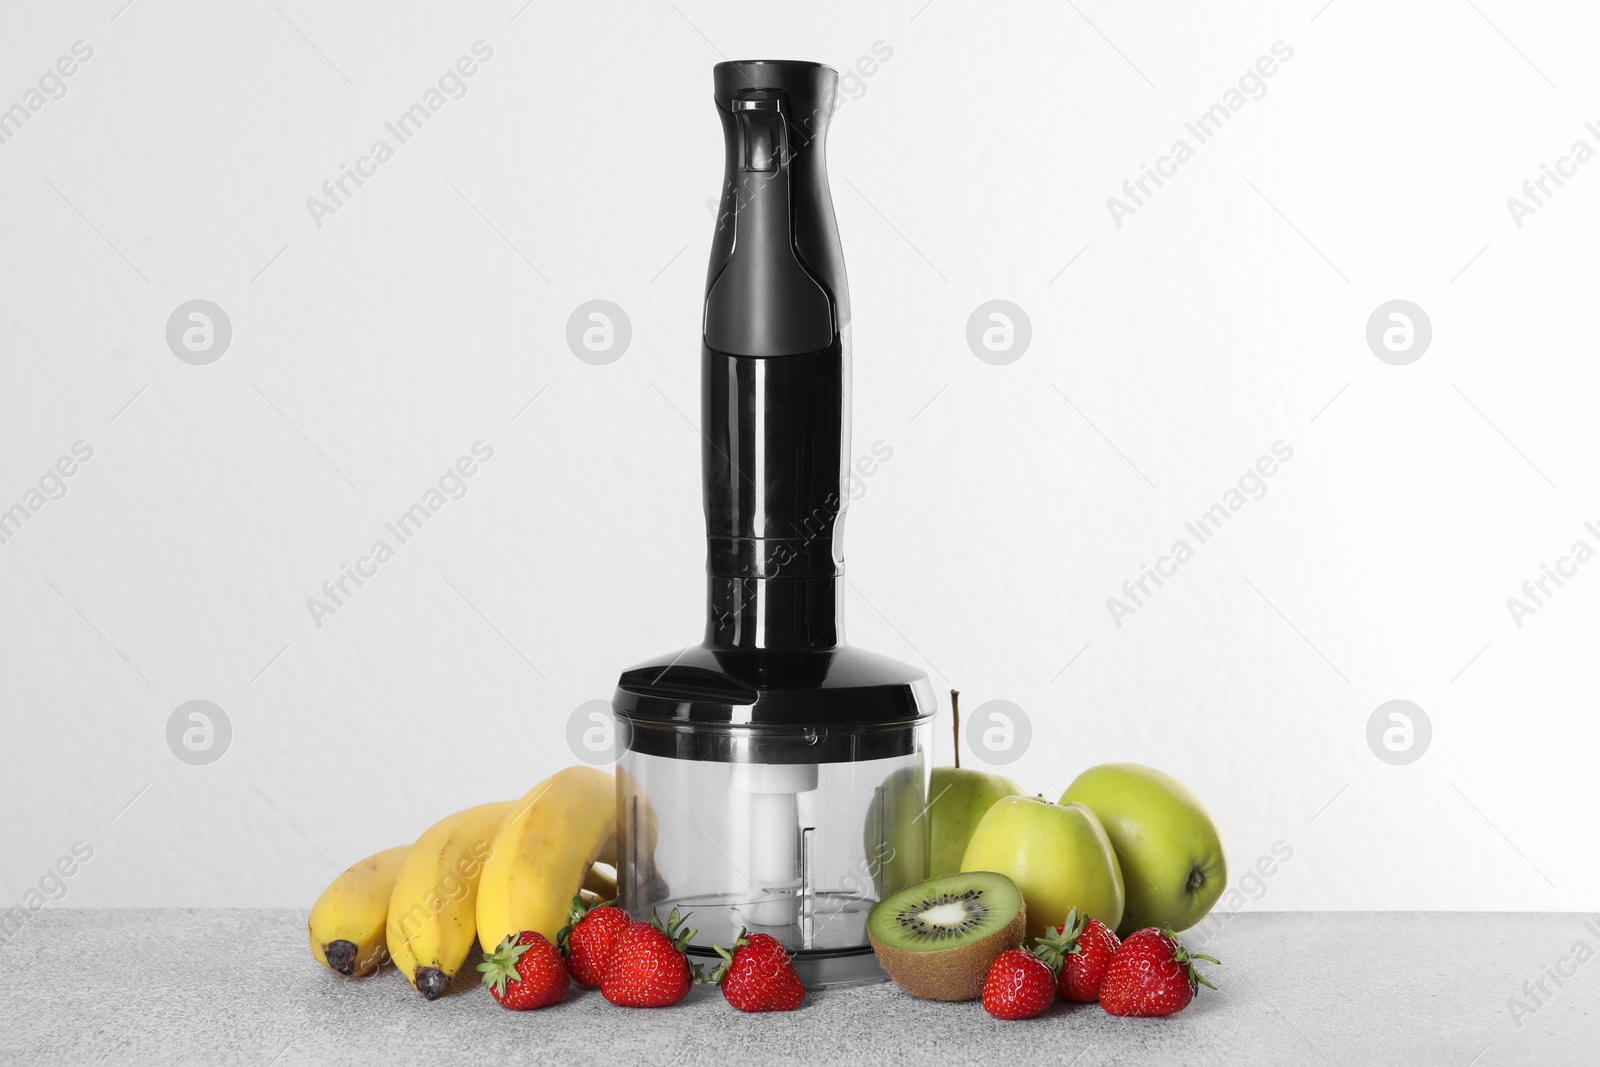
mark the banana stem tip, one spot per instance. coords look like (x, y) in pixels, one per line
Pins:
(432, 982)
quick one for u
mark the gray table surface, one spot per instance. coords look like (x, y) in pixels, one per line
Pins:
(239, 986)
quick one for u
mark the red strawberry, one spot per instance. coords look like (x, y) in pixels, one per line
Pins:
(648, 968)
(525, 972)
(1020, 985)
(1084, 948)
(588, 939)
(1151, 974)
(757, 975)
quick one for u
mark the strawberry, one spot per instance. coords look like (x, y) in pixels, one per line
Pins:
(1020, 985)
(1083, 947)
(647, 967)
(1151, 974)
(757, 975)
(588, 939)
(524, 972)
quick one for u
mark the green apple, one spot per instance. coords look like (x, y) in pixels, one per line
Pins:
(1059, 856)
(895, 837)
(1168, 847)
(912, 835)
(957, 800)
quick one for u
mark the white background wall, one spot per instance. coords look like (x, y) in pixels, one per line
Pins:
(974, 163)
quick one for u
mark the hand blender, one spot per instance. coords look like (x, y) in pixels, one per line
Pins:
(774, 778)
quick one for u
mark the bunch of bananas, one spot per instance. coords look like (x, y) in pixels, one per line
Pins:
(480, 874)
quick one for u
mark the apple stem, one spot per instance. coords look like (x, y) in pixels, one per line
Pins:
(955, 722)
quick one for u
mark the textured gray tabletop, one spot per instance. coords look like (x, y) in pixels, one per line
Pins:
(209, 987)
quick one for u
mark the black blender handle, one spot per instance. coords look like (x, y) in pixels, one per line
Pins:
(776, 284)
(775, 367)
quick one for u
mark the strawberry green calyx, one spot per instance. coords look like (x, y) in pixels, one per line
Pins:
(674, 928)
(1181, 955)
(1049, 957)
(680, 939)
(1073, 929)
(715, 977)
(1059, 943)
(500, 966)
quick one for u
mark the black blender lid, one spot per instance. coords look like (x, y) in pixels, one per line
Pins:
(837, 686)
(835, 705)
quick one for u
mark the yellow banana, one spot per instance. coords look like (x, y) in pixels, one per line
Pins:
(431, 923)
(347, 921)
(544, 851)
(601, 881)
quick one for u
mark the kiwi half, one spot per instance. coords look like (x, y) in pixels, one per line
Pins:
(937, 939)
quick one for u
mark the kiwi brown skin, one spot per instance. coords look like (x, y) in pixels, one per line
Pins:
(955, 973)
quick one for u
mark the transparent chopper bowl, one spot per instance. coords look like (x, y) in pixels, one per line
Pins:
(800, 851)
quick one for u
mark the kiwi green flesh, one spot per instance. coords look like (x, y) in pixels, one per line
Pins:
(938, 938)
